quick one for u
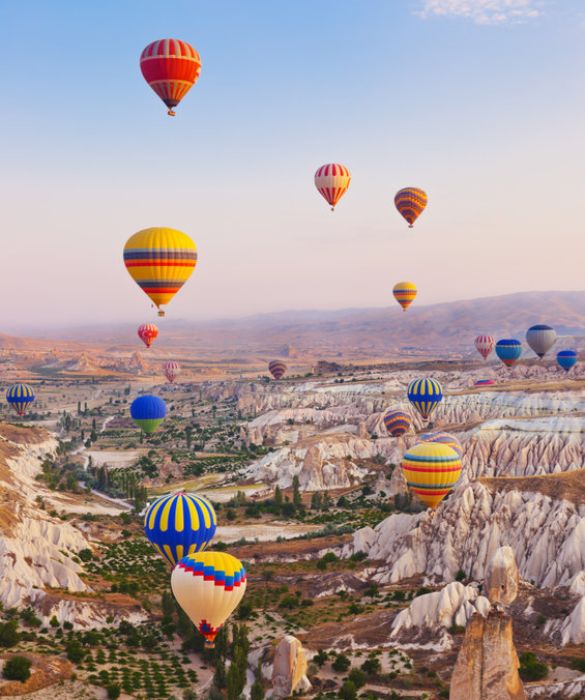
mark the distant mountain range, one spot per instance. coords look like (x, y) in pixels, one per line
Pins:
(353, 332)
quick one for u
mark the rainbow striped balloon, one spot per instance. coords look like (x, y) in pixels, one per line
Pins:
(397, 422)
(160, 261)
(404, 293)
(20, 396)
(425, 395)
(485, 382)
(444, 439)
(411, 202)
(179, 524)
(431, 471)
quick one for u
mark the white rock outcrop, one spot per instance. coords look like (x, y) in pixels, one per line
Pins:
(289, 668)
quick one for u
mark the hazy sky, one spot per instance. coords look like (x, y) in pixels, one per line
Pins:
(480, 102)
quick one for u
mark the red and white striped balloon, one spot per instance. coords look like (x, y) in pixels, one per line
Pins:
(172, 370)
(147, 333)
(484, 344)
(332, 181)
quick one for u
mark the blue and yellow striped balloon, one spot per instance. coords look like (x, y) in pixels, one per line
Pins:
(179, 524)
(425, 395)
(20, 396)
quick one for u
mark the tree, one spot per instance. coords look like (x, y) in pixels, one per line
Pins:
(348, 691)
(531, 668)
(316, 501)
(371, 666)
(113, 691)
(17, 668)
(320, 658)
(236, 676)
(257, 689)
(341, 663)
(278, 497)
(297, 500)
(75, 652)
(357, 677)
(9, 635)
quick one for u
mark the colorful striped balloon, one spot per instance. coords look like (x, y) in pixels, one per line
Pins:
(171, 370)
(566, 359)
(411, 202)
(484, 382)
(425, 395)
(148, 412)
(444, 439)
(209, 587)
(20, 397)
(179, 524)
(332, 181)
(484, 344)
(147, 333)
(431, 471)
(509, 350)
(171, 67)
(404, 293)
(541, 338)
(397, 422)
(277, 369)
(160, 261)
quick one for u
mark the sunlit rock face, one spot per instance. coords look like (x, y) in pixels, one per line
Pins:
(289, 668)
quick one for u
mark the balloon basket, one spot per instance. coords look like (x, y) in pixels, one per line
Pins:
(171, 113)
(209, 645)
(161, 313)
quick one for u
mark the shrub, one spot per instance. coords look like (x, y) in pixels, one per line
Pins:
(9, 635)
(357, 677)
(113, 691)
(348, 691)
(531, 669)
(341, 663)
(17, 668)
(460, 575)
(371, 666)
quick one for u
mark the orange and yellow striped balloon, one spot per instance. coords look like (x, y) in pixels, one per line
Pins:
(404, 293)
(160, 261)
(431, 470)
(411, 202)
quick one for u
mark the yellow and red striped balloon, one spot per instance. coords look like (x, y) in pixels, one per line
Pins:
(431, 470)
(405, 293)
(411, 202)
(332, 181)
(147, 333)
(160, 261)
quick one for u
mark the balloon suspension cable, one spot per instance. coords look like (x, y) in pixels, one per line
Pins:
(171, 113)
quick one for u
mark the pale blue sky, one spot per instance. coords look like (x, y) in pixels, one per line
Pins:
(484, 108)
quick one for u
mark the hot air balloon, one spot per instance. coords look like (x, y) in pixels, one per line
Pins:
(509, 351)
(147, 333)
(160, 261)
(484, 344)
(444, 439)
(179, 524)
(172, 370)
(431, 471)
(20, 397)
(567, 359)
(484, 382)
(332, 181)
(171, 68)
(411, 202)
(404, 293)
(148, 412)
(397, 422)
(425, 395)
(541, 338)
(277, 369)
(209, 587)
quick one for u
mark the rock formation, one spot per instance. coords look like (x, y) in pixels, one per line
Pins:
(487, 665)
(289, 668)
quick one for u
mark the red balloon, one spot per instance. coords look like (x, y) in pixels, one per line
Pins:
(171, 68)
(171, 370)
(147, 333)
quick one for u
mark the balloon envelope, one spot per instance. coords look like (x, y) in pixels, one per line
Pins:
(171, 67)
(404, 293)
(444, 439)
(277, 369)
(425, 395)
(179, 524)
(171, 370)
(209, 587)
(509, 351)
(397, 422)
(411, 202)
(566, 359)
(431, 471)
(484, 344)
(160, 261)
(148, 412)
(20, 397)
(147, 333)
(541, 338)
(332, 181)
